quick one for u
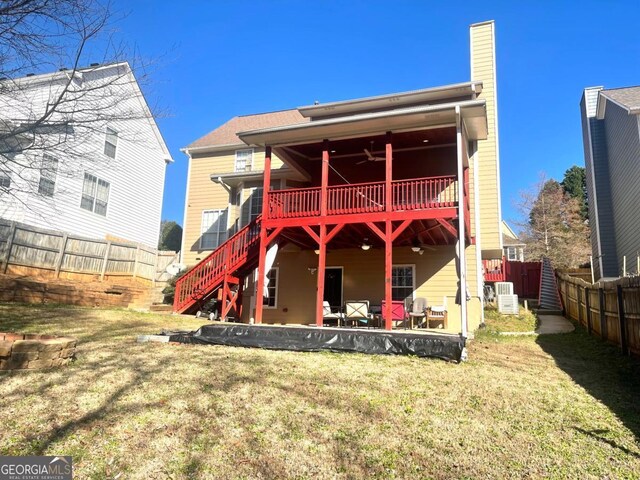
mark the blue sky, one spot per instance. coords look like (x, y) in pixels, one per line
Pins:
(214, 60)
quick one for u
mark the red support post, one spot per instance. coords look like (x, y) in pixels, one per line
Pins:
(325, 178)
(263, 235)
(388, 174)
(388, 267)
(322, 258)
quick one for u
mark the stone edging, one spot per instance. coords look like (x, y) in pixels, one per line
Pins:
(28, 351)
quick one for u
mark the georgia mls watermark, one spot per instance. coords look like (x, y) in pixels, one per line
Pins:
(36, 468)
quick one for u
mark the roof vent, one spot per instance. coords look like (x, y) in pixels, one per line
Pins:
(31, 74)
(95, 64)
(63, 69)
(316, 102)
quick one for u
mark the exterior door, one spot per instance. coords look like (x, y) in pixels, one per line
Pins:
(333, 286)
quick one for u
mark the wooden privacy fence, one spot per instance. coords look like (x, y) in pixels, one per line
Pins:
(34, 251)
(610, 310)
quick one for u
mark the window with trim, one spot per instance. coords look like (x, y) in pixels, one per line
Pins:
(48, 172)
(244, 160)
(214, 229)
(402, 282)
(512, 253)
(5, 181)
(272, 300)
(95, 194)
(255, 207)
(110, 143)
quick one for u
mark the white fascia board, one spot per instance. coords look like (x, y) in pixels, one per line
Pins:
(366, 123)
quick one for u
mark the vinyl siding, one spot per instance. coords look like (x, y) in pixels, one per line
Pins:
(203, 194)
(483, 68)
(435, 271)
(598, 187)
(623, 147)
(136, 177)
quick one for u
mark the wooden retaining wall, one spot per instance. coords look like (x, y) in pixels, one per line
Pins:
(610, 310)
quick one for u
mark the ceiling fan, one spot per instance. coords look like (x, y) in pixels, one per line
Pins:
(370, 156)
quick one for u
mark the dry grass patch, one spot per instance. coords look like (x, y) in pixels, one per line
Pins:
(520, 408)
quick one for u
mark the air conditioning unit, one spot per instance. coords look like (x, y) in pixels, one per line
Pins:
(508, 304)
(504, 288)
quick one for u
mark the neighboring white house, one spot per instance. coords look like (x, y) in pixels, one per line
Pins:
(94, 168)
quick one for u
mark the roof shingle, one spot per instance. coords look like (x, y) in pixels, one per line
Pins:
(226, 134)
(628, 97)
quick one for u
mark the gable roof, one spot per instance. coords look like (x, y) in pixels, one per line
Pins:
(627, 97)
(226, 134)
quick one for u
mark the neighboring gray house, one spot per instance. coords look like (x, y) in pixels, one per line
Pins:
(611, 134)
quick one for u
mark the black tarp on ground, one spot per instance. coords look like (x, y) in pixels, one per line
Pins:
(310, 339)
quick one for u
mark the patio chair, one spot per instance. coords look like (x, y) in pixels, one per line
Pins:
(357, 312)
(330, 318)
(437, 313)
(398, 313)
(418, 311)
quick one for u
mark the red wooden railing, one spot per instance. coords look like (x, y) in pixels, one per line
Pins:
(494, 270)
(207, 275)
(355, 198)
(416, 194)
(423, 193)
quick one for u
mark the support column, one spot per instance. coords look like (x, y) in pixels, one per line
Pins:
(388, 267)
(325, 178)
(388, 178)
(322, 261)
(263, 235)
(462, 261)
(388, 233)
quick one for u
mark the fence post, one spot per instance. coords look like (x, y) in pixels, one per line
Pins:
(63, 250)
(155, 269)
(622, 321)
(587, 304)
(579, 299)
(603, 314)
(12, 234)
(105, 261)
(135, 265)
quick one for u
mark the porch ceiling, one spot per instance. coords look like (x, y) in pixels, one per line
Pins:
(423, 233)
(349, 154)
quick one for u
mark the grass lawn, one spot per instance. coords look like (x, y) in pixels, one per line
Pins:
(529, 407)
(496, 322)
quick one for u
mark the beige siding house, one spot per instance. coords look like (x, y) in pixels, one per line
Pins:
(328, 165)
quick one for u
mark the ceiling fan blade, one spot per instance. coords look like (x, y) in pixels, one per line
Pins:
(361, 161)
(369, 155)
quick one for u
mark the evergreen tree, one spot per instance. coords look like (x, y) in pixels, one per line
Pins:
(574, 183)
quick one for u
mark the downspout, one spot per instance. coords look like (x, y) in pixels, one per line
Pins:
(186, 206)
(462, 275)
(476, 210)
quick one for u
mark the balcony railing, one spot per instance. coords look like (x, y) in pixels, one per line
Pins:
(415, 194)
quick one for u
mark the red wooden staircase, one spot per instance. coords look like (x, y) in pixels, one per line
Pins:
(220, 269)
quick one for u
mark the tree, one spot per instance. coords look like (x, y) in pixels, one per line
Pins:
(574, 183)
(554, 226)
(170, 236)
(46, 133)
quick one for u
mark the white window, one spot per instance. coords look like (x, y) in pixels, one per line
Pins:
(512, 253)
(402, 282)
(5, 181)
(95, 195)
(110, 143)
(214, 229)
(255, 207)
(272, 300)
(48, 172)
(244, 160)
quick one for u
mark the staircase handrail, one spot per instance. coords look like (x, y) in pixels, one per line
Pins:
(226, 257)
